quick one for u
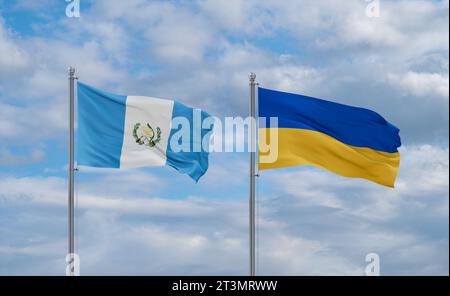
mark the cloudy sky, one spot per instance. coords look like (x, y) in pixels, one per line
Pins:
(159, 222)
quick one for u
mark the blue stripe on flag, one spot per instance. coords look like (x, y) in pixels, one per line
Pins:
(194, 164)
(351, 125)
(101, 120)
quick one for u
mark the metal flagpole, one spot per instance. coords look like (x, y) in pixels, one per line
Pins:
(252, 78)
(71, 171)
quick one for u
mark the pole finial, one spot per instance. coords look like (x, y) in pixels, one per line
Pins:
(71, 71)
(252, 77)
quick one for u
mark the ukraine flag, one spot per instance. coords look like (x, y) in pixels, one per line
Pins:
(349, 141)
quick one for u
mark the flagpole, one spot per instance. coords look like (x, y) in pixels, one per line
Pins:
(71, 207)
(252, 83)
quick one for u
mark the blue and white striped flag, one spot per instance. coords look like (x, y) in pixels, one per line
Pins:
(116, 131)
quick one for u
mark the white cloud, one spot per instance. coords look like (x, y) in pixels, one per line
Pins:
(421, 84)
(9, 158)
(346, 24)
(179, 37)
(39, 97)
(53, 60)
(13, 59)
(238, 16)
(30, 123)
(324, 225)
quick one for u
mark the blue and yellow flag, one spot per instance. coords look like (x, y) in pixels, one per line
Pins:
(349, 141)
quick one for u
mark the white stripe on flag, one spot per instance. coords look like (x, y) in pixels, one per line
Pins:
(146, 110)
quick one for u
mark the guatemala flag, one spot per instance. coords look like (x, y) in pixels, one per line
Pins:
(117, 131)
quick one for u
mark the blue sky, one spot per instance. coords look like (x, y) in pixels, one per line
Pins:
(156, 221)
